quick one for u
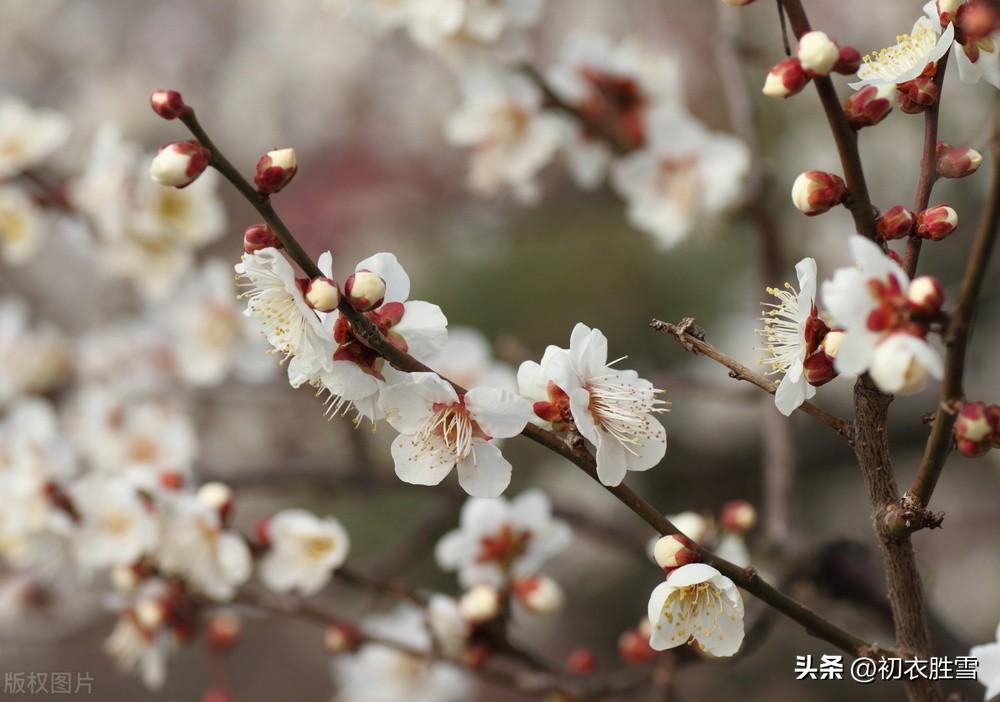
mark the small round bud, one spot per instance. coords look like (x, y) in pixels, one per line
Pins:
(848, 61)
(168, 104)
(738, 516)
(480, 604)
(936, 222)
(340, 638)
(260, 236)
(673, 551)
(918, 94)
(977, 20)
(691, 524)
(957, 161)
(831, 342)
(785, 79)
(216, 496)
(275, 170)
(149, 613)
(581, 661)
(895, 223)
(815, 192)
(540, 594)
(223, 631)
(817, 53)
(322, 294)
(179, 164)
(365, 290)
(925, 295)
(634, 648)
(869, 106)
(171, 480)
(818, 368)
(974, 433)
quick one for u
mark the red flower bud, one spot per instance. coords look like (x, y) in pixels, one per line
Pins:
(634, 648)
(365, 290)
(581, 661)
(869, 106)
(957, 161)
(340, 638)
(262, 529)
(895, 223)
(223, 630)
(179, 164)
(975, 433)
(848, 62)
(322, 294)
(818, 369)
(260, 236)
(918, 94)
(977, 20)
(168, 104)
(936, 222)
(785, 79)
(925, 295)
(815, 192)
(275, 170)
(673, 551)
(738, 516)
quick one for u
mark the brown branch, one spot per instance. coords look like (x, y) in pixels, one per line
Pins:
(574, 451)
(956, 339)
(846, 138)
(928, 168)
(695, 343)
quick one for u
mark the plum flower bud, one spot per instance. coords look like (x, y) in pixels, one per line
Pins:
(260, 236)
(634, 648)
(918, 94)
(831, 343)
(216, 496)
(340, 638)
(977, 20)
(275, 170)
(581, 661)
(895, 223)
(262, 530)
(480, 604)
(869, 106)
(365, 290)
(179, 164)
(738, 516)
(947, 9)
(785, 79)
(673, 551)
(974, 433)
(936, 222)
(815, 192)
(848, 61)
(168, 104)
(541, 594)
(818, 368)
(817, 53)
(957, 161)
(925, 295)
(322, 294)
(223, 631)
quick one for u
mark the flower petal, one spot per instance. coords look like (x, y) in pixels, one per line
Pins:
(484, 473)
(500, 413)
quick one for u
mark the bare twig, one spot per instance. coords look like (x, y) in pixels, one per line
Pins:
(695, 343)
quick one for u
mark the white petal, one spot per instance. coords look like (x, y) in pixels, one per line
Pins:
(588, 350)
(500, 413)
(653, 448)
(790, 394)
(424, 328)
(579, 404)
(611, 461)
(485, 473)
(415, 465)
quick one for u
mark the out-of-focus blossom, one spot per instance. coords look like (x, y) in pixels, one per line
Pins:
(28, 136)
(697, 603)
(22, 226)
(141, 641)
(450, 630)
(512, 139)
(34, 358)
(880, 333)
(616, 86)
(115, 526)
(380, 674)
(440, 430)
(303, 550)
(684, 176)
(467, 359)
(463, 31)
(499, 539)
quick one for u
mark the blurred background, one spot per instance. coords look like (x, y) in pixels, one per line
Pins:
(364, 110)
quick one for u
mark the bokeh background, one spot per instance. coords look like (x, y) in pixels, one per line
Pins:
(364, 113)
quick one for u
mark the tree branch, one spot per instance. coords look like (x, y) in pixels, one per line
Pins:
(696, 344)
(575, 452)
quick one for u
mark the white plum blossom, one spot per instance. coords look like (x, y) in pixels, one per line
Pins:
(980, 61)
(499, 540)
(377, 673)
(613, 409)
(303, 551)
(209, 336)
(790, 337)
(22, 226)
(477, 31)
(512, 139)
(697, 603)
(357, 375)
(28, 136)
(684, 175)
(141, 642)
(133, 357)
(275, 300)
(467, 359)
(35, 358)
(869, 302)
(115, 525)
(617, 86)
(908, 57)
(440, 430)
(196, 545)
(988, 671)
